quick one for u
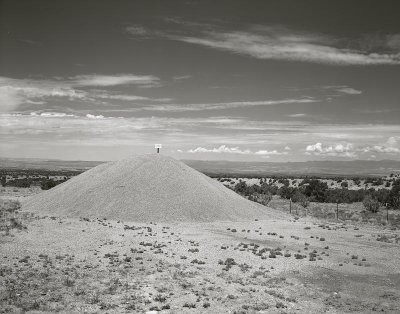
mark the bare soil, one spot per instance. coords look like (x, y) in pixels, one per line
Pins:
(278, 265)
(354, 213)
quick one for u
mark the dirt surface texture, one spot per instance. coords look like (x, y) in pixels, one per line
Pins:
(65, 256)
(72, 265)
(144, 188)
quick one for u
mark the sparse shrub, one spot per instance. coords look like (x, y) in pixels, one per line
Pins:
(154, 308)
(197, 261)
(262, 198)
(160, 298)
(10, 218)
(15, 223)
(68, 282)
(190, 305)
(260, 307)
(9, 205)
(29, 305)
(229, 263)
(280, 305)
(244, 267)
(48, 184)
(300, 198)
(371, 204)
(394, 195)
(94, 298)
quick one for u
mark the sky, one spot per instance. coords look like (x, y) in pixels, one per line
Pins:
(211, 80)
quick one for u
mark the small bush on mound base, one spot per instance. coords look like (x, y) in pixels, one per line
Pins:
(263, 199)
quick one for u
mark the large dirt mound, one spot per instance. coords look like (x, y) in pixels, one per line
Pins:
(145, 188)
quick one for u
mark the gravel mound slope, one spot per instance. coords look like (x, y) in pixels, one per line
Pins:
(144, 188)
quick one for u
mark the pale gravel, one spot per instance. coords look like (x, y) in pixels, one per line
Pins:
(145, 188)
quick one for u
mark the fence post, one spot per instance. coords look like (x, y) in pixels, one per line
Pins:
(290, 208)
(387, 213)
(337, 209)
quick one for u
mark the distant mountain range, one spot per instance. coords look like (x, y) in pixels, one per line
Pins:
(309, 168)
(236, 168)
(48, 164)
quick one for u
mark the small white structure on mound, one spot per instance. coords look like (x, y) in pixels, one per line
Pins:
(144, 188)
(158, 147)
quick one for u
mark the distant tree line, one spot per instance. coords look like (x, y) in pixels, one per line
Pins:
(314, 190)
(25, 178)
(373, 180)
(44, 183)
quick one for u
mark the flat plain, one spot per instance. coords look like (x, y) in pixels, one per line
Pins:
(278, 262)
(283, 264)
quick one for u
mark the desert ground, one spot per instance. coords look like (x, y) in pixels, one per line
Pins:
(63, 250)
(283, 264)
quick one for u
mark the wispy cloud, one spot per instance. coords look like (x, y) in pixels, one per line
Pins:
(377, 111)
(381, 149)
(112, 95)
(182, 77)
(297, 115)
(223, 105)
(9, 98)
(15, 92)
(113, 80)
(391, 146)
(393, 41)
(349, 91)
(280, 43)
(328, 91)
(137, 30)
